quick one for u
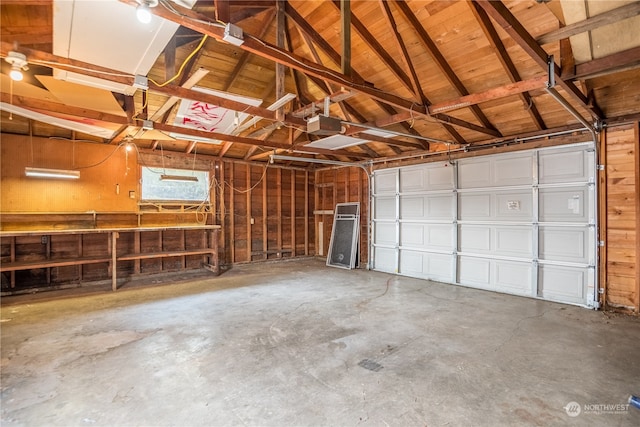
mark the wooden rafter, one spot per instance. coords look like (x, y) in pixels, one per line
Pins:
(491, 94)
(377, 49)
(508, 65)
(345, 33)
(326, 87)
(244, 57)
(625, 60)
(610, 17)
(503, 16)
(83, 113)
(397, 37)
(440, 60)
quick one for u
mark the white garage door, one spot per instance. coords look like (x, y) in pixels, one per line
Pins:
(521, 223)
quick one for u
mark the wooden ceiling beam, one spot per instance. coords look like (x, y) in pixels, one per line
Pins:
(397, 37)
(83, 114)
(378, 50)
(30, 36)
(503, 16)
(200, 23)
(606, 18)
(446, 121)
(244, 57)
(508, 65)
(619, 61)
(53, 61)
(491, 94)
(440, 60)
(222, 10)
(345, 33)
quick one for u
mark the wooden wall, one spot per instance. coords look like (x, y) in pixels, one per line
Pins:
(104, 187)
(340, 185)
(621, 220)
(265, 211)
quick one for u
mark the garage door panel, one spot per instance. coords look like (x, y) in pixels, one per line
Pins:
(514, 206)
(385, 182)
(513, 277)
(440, 207)
(564, 166)
(475, 207)
(474, 272)
(565, 284)
(564, 244)
(427, 207)
(474, 173)
(428, 236)
(385, 208)
(513, 241)
(496, 240)
(412, 207)
(564, 204)
(384, 233)
(426, 178)
(385, 259)
(426, 265)
(475, 238)
(513, 170)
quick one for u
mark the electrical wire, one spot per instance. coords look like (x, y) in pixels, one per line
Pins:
(184, 63)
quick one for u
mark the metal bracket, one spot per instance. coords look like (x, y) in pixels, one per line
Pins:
(551, 70)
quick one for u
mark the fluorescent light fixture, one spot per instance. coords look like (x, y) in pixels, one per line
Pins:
(51, 173)
(178, 178)
(336, 142)
(233, 34)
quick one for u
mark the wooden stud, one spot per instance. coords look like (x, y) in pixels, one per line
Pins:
(114, 271)
(136, 249)
(293, 213)
(602, 220)
(13, 258)
(279, 210)
(265, 219)
(80, 251)
(636, 131)
(306, 213)
(249, 213)
(232, 220)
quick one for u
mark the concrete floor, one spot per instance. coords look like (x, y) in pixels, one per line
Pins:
(298, 344)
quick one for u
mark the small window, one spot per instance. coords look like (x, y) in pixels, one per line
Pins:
(164, 184)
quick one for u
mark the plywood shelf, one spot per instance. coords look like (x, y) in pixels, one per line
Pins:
(25, 244)
(48, 263)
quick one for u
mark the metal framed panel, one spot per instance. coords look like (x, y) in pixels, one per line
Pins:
(343, 246)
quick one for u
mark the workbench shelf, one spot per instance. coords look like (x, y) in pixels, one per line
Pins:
(49, 258)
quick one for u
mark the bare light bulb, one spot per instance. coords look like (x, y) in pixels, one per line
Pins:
(143, 13)
(16, 74)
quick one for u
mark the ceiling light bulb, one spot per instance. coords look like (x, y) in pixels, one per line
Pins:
(143, 13)
(16, 73)
(18, 63)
